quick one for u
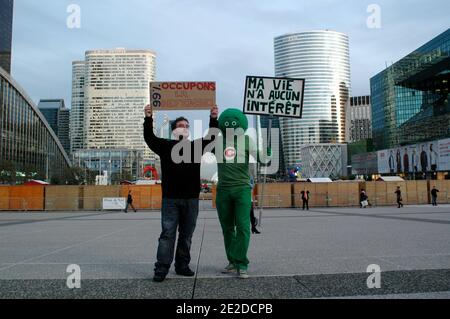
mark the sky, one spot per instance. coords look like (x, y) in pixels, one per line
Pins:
(211, 40)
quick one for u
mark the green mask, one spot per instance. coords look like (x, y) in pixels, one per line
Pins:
(232, 119)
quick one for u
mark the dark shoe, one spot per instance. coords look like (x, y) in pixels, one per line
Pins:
(255, 231)
(187, 272)
(159, 276)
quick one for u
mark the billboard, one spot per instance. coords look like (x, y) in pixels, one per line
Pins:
(444, 155)
(182, 95)
(418, 158)
(274, 96)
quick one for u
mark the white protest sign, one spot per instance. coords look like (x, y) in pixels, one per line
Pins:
(274, 96)
(118, 203)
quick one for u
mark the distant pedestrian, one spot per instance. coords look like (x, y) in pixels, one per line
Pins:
(253, 219)
(363, 199)
(399, 197)
(305, 198)
(434, 192)
(130, 202)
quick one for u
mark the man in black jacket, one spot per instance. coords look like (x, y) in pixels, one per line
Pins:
(180, 190)
(305, 199)
(434, 195)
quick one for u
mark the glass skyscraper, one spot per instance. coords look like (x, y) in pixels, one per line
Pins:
(322, 59)
(410, 99)
(58, 117)
(27, 141)
(6, 23)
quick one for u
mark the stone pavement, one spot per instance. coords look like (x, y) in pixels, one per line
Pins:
(322, 253)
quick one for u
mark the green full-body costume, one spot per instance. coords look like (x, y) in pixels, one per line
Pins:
(234, 197)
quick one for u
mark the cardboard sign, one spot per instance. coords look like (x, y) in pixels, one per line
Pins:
(274, 96)
(182, 95)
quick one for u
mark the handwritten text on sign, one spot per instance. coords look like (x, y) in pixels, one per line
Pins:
(274, 96)
(182, 95)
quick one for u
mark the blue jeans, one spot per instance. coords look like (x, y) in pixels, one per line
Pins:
(181, 214)
(434, 200)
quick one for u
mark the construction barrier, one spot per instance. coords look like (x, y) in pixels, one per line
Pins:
(277, 195)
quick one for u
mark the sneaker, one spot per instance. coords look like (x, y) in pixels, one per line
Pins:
(187, 272)
(229, 269)
(243, 274)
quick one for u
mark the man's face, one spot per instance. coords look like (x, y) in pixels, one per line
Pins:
(181, 130)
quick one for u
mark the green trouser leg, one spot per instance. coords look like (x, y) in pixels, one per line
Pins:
(233, 207)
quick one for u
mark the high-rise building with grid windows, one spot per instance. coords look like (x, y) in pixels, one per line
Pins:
(77, 131)
(359, 119)
(111, 102)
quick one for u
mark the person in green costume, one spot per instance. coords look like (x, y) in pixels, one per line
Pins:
(234, 192)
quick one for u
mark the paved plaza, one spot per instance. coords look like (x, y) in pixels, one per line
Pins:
(322, 253)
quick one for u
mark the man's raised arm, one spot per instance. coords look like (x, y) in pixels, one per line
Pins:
(155, 143)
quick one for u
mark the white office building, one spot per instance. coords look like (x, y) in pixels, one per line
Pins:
(359, 118)
(322, 59)
(77, 130)
(116, 89)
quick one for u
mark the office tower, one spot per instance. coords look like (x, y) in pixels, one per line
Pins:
(77, 129)
(359, 119)
(322, 59)
(57, 116)
(410, 99)
(28, 144)
(116, 89)
(6, 24)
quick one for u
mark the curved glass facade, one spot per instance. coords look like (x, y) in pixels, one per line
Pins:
(322, 59)
(27, 141)
(410, 99)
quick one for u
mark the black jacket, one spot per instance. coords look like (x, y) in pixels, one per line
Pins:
(179, 180)
(434, 192)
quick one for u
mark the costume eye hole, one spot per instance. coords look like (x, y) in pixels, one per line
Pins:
(227, 124)
(234, 123)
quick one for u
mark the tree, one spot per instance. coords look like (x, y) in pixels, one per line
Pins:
(8, 172)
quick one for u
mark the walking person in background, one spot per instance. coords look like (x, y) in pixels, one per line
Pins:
(253, 219)
(130, 202)
(305, 198)
(398, 192)
(434, 192)
(363, 199)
